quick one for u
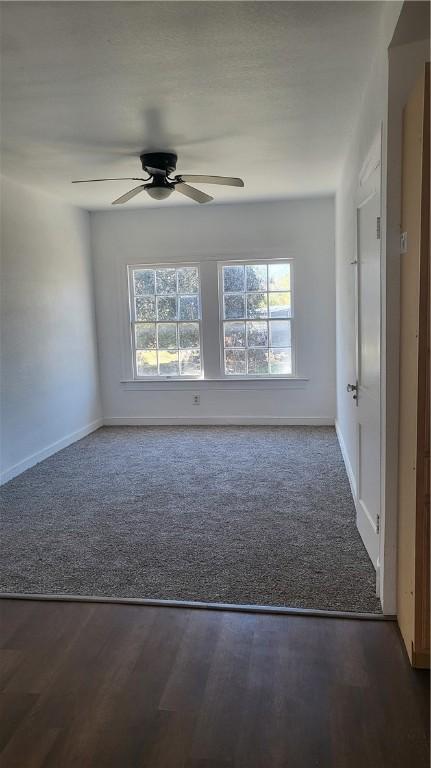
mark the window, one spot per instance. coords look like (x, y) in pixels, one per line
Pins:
(252, 337)
(166, 321)
(257, 318)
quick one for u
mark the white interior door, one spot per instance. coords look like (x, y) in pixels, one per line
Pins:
(366, 389)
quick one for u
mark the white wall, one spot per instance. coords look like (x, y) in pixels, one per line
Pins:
(301, 229)
(381, 110)
(371, 120)
(49, 369)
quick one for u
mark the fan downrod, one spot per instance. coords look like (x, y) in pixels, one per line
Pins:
(159, 163)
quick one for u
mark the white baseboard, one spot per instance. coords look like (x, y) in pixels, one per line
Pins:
(35, 458)
(347, 464)
(131, 421)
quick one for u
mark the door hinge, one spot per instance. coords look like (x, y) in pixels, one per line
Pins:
(378, 524)
(378, 228)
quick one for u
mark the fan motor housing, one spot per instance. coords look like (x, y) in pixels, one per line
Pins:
(159, 163)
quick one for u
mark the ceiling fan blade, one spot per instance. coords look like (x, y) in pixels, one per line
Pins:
(130, 194)
(194, 194)
(229, 181)
(122, 178)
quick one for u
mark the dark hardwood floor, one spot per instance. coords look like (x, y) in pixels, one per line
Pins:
(124, 686)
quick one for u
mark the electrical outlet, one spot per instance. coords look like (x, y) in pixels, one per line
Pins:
(196, 399)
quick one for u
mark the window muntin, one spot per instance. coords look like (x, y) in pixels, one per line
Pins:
(257, 318)
(166, 321)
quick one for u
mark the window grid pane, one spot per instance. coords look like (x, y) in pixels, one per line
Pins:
(166, 322)
(257, 319)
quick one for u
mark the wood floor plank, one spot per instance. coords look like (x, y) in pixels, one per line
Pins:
(10, 662)
(308, 676)
(29, 746)
(393, 697)
(13, 617)
(121, 697)
(107, 686)
(185, 686)
(14, 707)
(44, 648)
(262, 738)
(171, 740)
(218, 725)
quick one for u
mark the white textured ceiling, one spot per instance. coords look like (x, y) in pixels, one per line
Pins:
(264, 90)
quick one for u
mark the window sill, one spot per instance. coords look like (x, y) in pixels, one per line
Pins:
(231, 383)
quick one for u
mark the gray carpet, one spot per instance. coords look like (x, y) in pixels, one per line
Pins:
(257, 515)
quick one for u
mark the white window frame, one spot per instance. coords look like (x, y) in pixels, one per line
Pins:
(245, 376)
(132, 318)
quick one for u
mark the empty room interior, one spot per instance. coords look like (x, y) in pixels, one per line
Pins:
(215, 384)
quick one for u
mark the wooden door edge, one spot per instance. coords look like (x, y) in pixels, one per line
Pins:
(420, 659)
(422, 564)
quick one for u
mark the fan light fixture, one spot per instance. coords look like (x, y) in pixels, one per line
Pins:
(159, 193)
(160, 166)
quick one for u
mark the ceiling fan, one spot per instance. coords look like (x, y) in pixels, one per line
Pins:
(160, 166)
